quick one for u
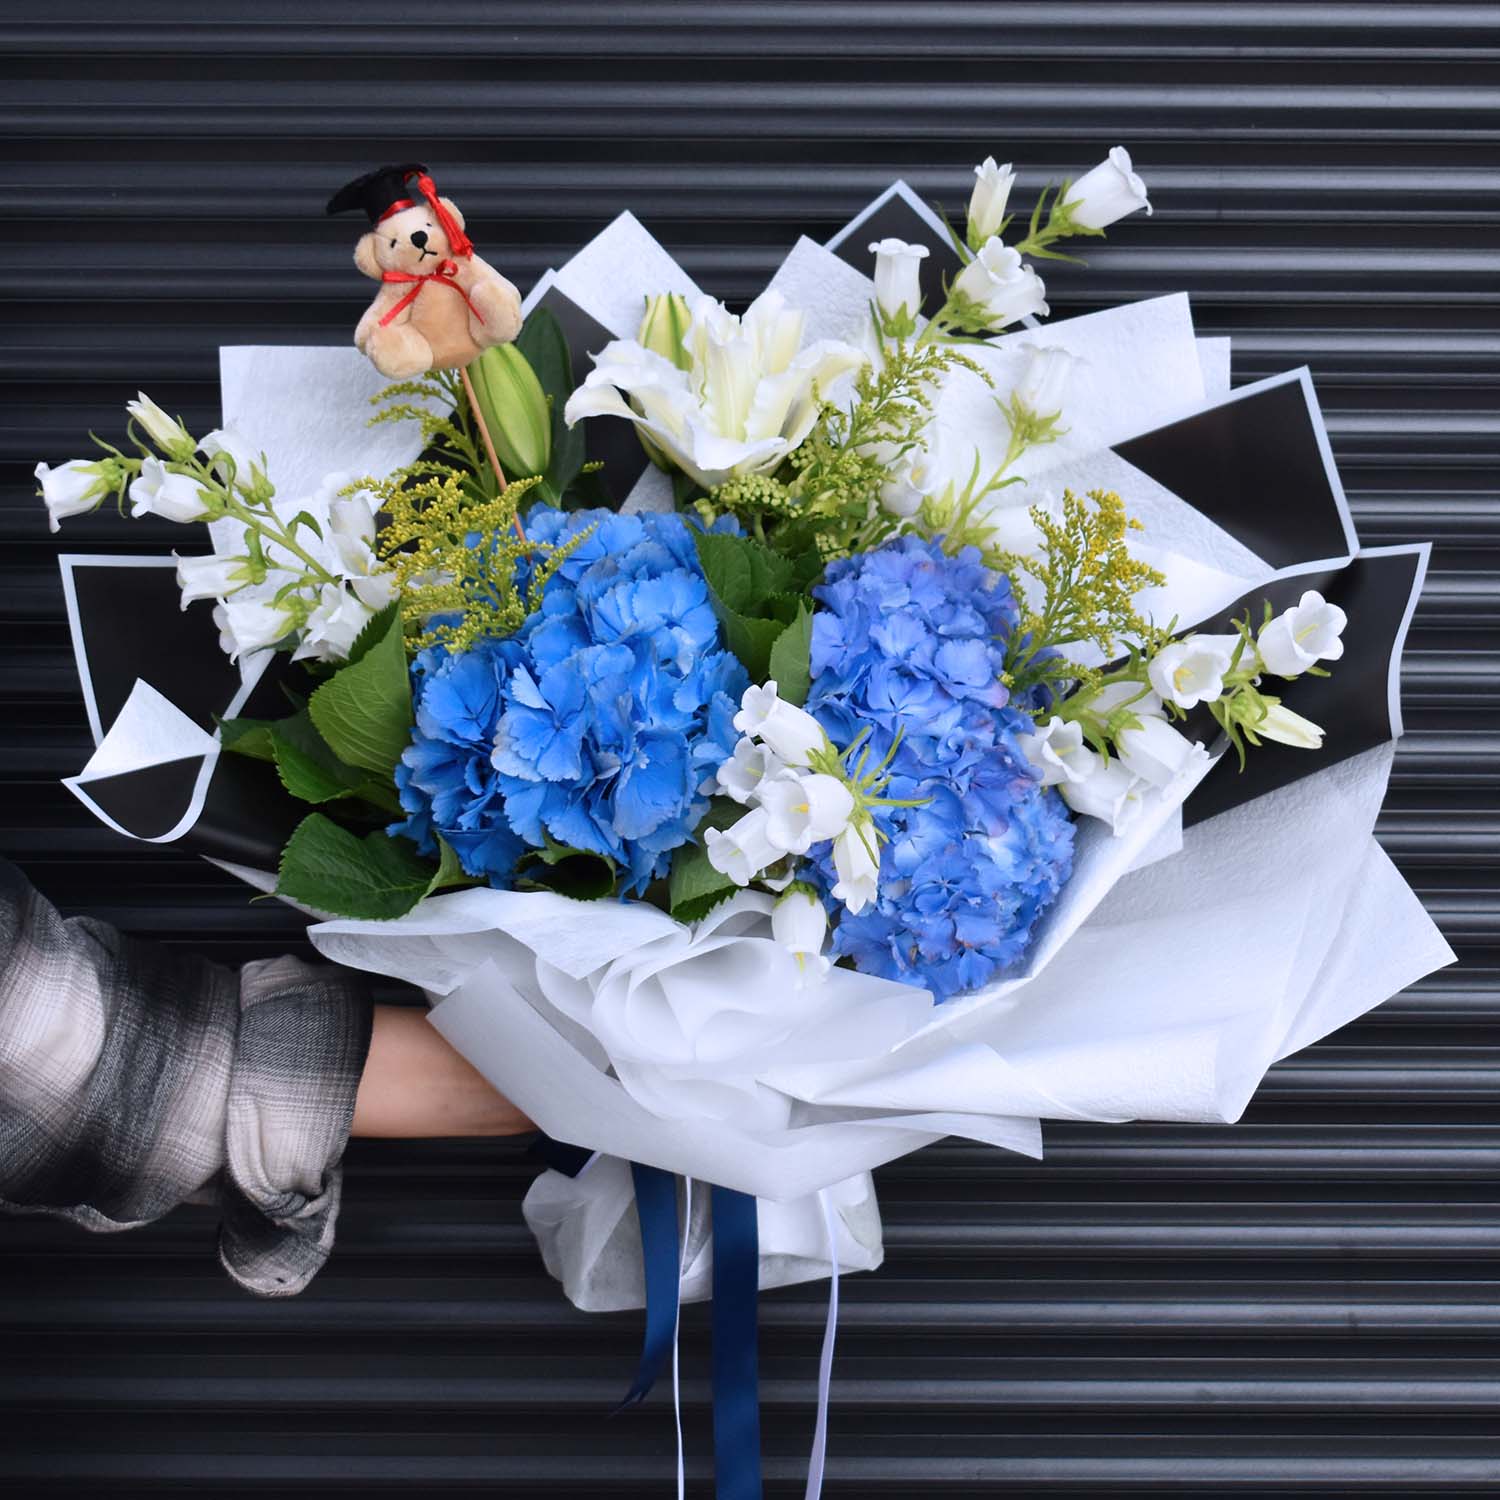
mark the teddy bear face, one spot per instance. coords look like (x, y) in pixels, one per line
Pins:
(412, 240)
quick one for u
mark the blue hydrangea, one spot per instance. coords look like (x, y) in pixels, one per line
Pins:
(909, 639)
(596, 726)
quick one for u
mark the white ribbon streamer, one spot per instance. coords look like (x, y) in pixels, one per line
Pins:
(825, 1359)
(687, 1228)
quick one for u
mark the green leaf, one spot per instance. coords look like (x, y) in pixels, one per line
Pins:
(741, 571)
(364, 710)
(579, 873)
(750, 639)
(545, 346)
(790, 661)
(309, 770)
(250, 737)
(375, 878)
(695, 887)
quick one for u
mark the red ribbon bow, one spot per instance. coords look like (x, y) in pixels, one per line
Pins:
(445, 275)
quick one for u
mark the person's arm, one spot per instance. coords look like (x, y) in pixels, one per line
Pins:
(134, 1077)
(415, 1084)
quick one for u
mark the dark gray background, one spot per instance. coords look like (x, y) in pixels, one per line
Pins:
(1304, 1304)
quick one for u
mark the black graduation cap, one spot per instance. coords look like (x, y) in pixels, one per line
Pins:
(378, 192)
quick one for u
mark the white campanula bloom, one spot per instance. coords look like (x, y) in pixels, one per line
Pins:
(915, 476)
(1288, 728)
(332, 624)
(741, 775)
(1130, 696)
(1044, 377)
(1111, 794)
(857, 866)
(1002, 284)
(791, 732)
(1107, 192)
(211, 577)
(1191, 671)
(744, 400)
(743, 850)
(898, 278)
(805, 810)
(800, 924)
(231, 456)
(1058, 752)
(71, 489)
(159, 492)
(250, 625)
(987, 200)
(166, 432)
(1302, 636)
(1158, 754)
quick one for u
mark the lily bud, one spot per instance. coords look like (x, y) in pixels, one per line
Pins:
(665, 326)
(1288, 728)
(514, 409)
(166, 432)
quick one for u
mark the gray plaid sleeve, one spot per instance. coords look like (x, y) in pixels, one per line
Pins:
(133, 1077)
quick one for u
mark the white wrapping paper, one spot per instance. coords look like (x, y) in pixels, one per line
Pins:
(1175, 969)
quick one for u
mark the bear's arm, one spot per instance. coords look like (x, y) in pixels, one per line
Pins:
(385, 299)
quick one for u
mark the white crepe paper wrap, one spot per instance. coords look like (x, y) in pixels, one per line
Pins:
(1171, 973)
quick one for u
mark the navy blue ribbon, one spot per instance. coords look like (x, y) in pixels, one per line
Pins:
(656, 1206)
(736, 1376)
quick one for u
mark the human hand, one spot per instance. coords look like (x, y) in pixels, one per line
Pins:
(415, 1084)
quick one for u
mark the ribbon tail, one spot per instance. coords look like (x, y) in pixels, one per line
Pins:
(656, 1206)
(825, 1359)
(737, 1472)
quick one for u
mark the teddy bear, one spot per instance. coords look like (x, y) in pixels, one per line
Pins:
(439, 305)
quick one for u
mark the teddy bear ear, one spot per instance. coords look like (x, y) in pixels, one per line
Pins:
(364, 256)
(451, 208)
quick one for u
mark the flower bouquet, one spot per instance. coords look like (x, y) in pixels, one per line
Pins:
(777, 741)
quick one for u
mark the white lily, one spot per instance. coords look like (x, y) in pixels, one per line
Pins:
(857, 866)
(748, 396)
(71, 489)
(791, 732)
(159, 492)
(1058, 752)
(1191, 671)
(1111, 794)
(1107, 192)
(987, 200)
(1302, 636)
(999, 282)
(1281, 724)
(743, 850)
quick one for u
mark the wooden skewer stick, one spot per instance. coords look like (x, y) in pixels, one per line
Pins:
(484, 433)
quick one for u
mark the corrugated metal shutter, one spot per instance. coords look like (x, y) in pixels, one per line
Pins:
(1306, 1303)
